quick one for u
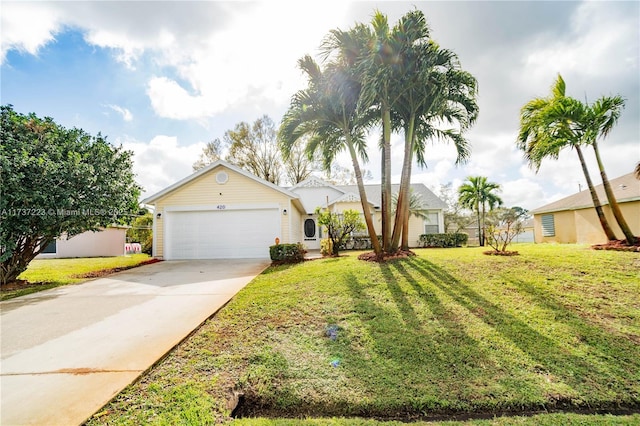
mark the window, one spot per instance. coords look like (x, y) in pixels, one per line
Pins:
(431, 223)
(548, 225)
(51, 248)
(309, 229)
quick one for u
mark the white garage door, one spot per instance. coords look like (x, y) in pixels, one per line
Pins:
(221, 234)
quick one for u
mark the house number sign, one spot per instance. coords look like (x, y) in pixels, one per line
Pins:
(221, 207)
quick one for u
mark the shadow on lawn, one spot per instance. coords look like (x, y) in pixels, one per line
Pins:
(422, 348)
(422, 344)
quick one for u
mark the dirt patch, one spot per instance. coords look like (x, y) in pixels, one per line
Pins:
(501, 253)
(104, 272)
(19, 284)
(618, 245)
(372, 257)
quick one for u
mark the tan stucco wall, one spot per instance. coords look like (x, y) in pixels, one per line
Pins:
(105, 243)
(238, 190)
(583, 227)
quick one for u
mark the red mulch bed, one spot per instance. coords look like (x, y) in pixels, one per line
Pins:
(619, 245)
(103, 272)
(372, 257)
(501, 253)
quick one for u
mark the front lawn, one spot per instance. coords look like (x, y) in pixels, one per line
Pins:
(43, 274)
(448, 332)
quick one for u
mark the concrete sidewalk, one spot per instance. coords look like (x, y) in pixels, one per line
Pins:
(65, 352)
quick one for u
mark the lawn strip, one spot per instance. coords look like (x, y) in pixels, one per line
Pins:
(44, 274)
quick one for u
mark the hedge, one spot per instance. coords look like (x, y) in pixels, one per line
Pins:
(287, 253)
(443, 240)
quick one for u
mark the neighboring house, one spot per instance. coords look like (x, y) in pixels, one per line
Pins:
(527, 235)
(574, 220)
(223, 211)
(105, 243)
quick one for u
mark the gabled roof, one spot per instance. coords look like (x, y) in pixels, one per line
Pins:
(429, 199)
(220, 163)
(625, 188)
(310, 188)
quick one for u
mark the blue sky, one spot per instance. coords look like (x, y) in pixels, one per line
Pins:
(163, 78)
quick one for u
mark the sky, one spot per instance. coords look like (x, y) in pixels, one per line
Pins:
(163, 78)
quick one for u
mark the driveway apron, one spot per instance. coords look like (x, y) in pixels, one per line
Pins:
(66, 352)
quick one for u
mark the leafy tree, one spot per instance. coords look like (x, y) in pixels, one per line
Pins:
(503, 226)
(478, 195)
(298, 166)
(338, 175)
(211, 153)
(255, 149)
(141, 231)
(548, 125)
(339, 226)
(56, 181)
(455, 219)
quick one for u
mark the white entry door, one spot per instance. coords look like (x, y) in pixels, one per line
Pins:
(311, 233)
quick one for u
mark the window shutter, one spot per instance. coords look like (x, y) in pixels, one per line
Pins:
(548, 225)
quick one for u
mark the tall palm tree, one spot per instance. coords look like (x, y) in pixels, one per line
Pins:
(437, 93)
(326, 111)
(548, 125)
(600, 119)
(478, 195)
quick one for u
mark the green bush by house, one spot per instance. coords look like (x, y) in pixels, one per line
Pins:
(443, 240)
(287, 253)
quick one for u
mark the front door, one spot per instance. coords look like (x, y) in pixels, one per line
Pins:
(311, 234)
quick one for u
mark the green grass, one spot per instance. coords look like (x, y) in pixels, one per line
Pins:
(43, 274)
(448, 332)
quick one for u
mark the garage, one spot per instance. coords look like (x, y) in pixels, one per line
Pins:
(221, 234)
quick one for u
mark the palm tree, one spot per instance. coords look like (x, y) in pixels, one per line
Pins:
(636, 171)
(600, 119)
(436, 92)
(477, 194)
(326, 111)
(547, 125)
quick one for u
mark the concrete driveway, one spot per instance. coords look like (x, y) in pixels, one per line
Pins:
(65, 352)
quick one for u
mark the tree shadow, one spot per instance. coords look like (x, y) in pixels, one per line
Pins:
(594, 370)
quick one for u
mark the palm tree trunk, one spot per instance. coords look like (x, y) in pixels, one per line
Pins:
(386, 178)
(613, 203)
(483, 216)
(363, 197)
(480, 242)
(402, 209)
(594, 196)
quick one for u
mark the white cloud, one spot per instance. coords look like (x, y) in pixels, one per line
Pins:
(27, 29)
(124, 112)
(161, 162)
(598, 45)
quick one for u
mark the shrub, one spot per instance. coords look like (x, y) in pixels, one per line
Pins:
(287, 253)
(457, 239)
(326, 247)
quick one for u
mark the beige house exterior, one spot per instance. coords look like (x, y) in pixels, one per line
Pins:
(222, 211)
(104, 243)
(574, 220)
